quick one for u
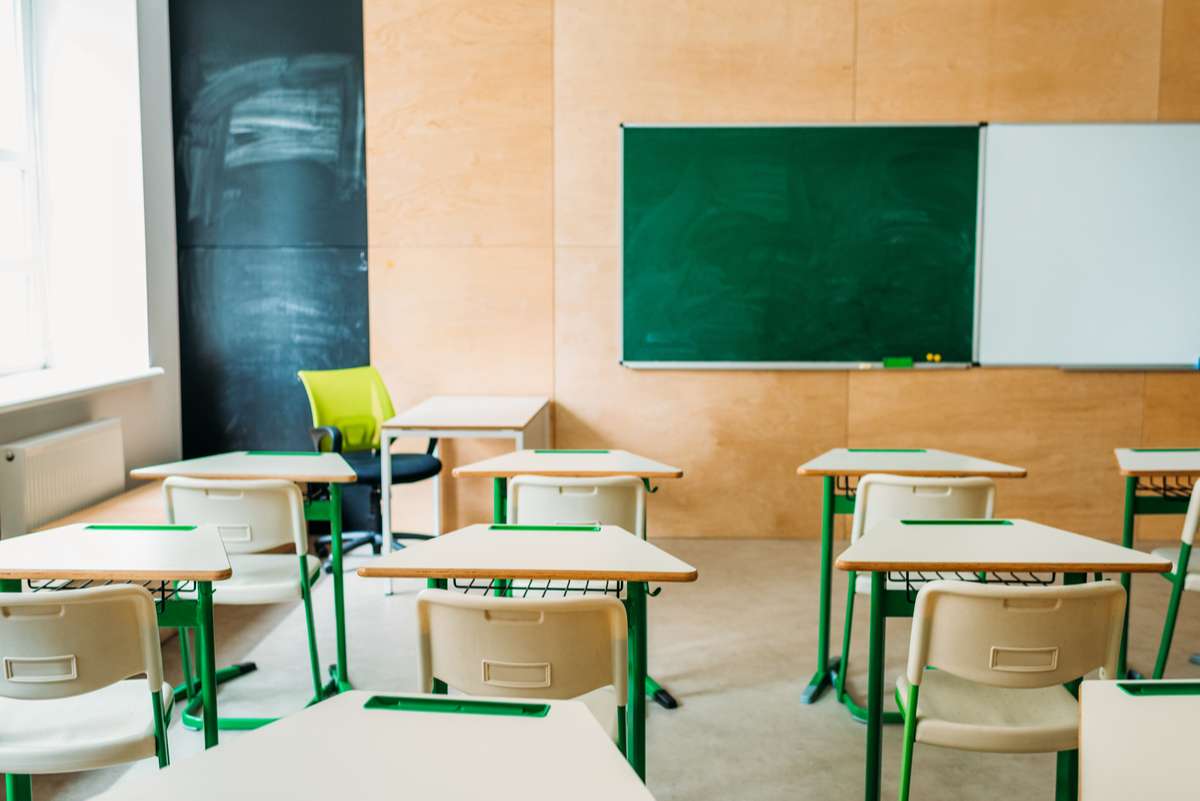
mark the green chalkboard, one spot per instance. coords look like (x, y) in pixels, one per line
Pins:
(804, 244)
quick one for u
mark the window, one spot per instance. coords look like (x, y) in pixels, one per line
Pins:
(22, 306)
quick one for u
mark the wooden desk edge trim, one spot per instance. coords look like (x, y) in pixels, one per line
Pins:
(1019, 472)
(583, 575)
(1194, 472)
(117, 575)
(142, 475)
(462, 472)
(1005, 567)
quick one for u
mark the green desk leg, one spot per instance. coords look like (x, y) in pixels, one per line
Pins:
(331, 511)
(635, 711)
(878, 631)
(1131, 483)
(208, 660)
(500, 587)
(822, 678)
(18, 787)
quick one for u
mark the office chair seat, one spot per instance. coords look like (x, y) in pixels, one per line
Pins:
(261, 578)
(406, 467)
(957, 713)
(1192, 582)
(104, 727)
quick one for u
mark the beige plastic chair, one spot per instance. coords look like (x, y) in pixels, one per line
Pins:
(253, 518)
(610, 501)
(987, 664)
(553, 648)
(65, 704)
(1184, 577)
(886, 497)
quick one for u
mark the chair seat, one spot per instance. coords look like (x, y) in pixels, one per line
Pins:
(406, 467)
(958, 713)
(106, 727)
(262, 578)
(1192, 582)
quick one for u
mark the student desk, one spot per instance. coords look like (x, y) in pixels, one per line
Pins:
(1137, 740)
(570, 463)
(1158, 481)
(840, 470)
(301, 467)
(366, 746)
(525, 419)
(475, 555)
(1012, 551)
(155, 557)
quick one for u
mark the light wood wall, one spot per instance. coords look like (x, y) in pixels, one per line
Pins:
(492, 146)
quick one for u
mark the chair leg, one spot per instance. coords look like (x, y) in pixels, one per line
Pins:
(162, 748)
(18, 787)
(185, 659)
(1177, 582)
(621, 732)
(910, 735)
(314, 658)
(1066, 786)
(844, 664)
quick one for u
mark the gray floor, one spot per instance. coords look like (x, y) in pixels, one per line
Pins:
(737, 648)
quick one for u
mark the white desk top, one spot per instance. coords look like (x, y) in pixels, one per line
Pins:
(469, 412)
(1138, 745)
(479, 551)
(301, 467)
(568, 463)
(339, 749)
(905, 462)
(1159, 461)
(1016, 545)
(124, 553)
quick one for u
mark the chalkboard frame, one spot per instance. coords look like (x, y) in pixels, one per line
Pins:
(802, 365)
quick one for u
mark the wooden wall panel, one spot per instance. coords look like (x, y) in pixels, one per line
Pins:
(1179, 85)
(1061, 426)
(1075, 60)
(922, 60)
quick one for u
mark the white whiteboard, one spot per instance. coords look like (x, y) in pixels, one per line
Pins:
(1091, 246)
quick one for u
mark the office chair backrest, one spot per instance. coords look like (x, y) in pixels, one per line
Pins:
(1014, 636)
(354, 400)
(69, 642)
(882, 497)
(611, 501)
(522, 647)
(251, 516)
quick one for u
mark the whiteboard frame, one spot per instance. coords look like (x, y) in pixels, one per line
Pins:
(798, 365)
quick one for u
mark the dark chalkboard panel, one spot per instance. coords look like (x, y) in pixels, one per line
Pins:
(271, 212)
(807, 244)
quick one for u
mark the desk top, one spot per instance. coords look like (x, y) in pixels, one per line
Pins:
(299, 466)
(117, 553)
(549, 552)
(142, 505)
(470, 413)
(1136, 739)
(905, 462)
(1004, 545)
(584, 463)
(562, 754)
(1158, 461)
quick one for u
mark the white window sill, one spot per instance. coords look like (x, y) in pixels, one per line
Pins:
(24, 390)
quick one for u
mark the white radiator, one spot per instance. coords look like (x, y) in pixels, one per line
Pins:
(45, 477)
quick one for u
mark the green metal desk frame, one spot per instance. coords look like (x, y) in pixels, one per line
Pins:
(1142, 497)
(324, 510)
(887, 603)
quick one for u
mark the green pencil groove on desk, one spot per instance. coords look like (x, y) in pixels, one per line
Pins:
(460, 706)
(570, 450)
(516, 527)
(886, 450)
(956, 522)
(282, 453)
(1147, 689)
(139, 528)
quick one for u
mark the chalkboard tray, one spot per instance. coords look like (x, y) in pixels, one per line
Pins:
(799, 246)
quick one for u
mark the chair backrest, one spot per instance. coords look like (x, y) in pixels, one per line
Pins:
(881, 497)
(1191, 521)
(1014, 636)
(251, 516)
(611, 501)
(354, 400)
(64, 643)
(522, 647)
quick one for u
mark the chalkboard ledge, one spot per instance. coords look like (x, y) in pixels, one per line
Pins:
(639, 365)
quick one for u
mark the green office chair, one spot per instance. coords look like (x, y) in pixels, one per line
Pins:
(348, 408)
